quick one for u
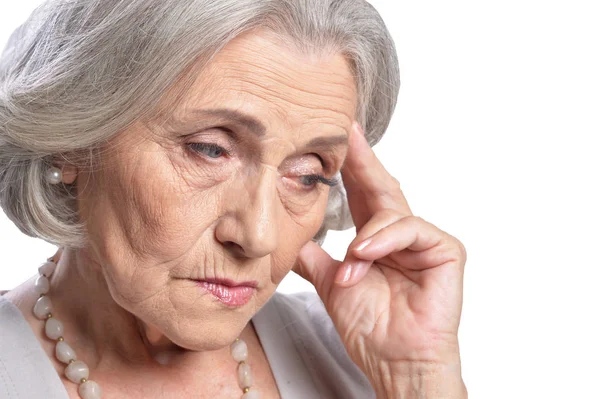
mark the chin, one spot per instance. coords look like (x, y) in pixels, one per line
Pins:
(205, 323)
(208, 337)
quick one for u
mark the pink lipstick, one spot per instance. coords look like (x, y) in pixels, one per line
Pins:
(229, 292)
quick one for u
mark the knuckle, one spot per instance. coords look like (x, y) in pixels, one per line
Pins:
(416, 219)
(394, 182)
(462, 251)
(413, 221)
(390, 214)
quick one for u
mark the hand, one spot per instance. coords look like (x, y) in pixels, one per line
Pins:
(396, 299)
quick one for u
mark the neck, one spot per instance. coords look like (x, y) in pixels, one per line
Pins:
(103, 330)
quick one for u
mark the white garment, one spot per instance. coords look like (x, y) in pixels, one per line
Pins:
(301, 343)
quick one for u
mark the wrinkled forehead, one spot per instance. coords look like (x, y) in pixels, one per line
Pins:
(288, 91)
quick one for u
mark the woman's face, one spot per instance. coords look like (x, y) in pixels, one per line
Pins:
(220, 190)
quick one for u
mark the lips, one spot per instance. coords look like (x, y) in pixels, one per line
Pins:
(229, 292)
(230, 283)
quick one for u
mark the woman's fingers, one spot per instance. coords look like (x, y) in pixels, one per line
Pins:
(410, 232)
(354, 268)
(378, 221)
(349, 274)
(315, 265)
(357, 201)
(364, 172)
(375, 199)
(392, 236)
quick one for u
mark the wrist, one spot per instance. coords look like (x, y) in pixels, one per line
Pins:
(420, 380)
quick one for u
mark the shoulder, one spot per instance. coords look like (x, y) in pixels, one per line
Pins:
(13, 344)
(25, 370)
(12, 318)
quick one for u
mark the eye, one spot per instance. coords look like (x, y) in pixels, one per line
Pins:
(312, 180)
(209, 149)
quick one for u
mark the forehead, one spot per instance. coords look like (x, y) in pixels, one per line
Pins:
(257, 74)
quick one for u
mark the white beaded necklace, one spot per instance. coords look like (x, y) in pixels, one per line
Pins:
(78, 372)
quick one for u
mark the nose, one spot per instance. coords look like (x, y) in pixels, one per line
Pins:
(249, 227)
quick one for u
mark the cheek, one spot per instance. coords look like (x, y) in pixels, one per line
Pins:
(137, 284)
(192, 173)
(297, 232)
(147, 208)
(172, 216)
(300, 204)
(158, 208)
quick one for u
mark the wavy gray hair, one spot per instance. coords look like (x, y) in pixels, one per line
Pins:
(77, 72)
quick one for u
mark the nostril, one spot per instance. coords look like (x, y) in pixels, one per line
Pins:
(234, 247)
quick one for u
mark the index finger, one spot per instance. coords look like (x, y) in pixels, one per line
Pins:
(363, 171)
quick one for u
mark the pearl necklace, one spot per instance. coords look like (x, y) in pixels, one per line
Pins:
(78, 372)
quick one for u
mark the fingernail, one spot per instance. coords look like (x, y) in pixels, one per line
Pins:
(343, 274)
(363, 245)
(359, 269)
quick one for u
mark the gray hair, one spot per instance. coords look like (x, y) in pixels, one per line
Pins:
(78, 72)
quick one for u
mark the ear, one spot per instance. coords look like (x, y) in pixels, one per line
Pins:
(69, 171)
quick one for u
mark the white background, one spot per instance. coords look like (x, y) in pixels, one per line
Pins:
(494, 140)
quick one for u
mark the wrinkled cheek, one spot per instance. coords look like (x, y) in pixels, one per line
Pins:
(300, 230)
(282, 265)
(137, 286)
(306, 209)
(193, 174)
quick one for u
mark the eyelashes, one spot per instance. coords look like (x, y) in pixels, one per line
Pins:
(311, 179)
(215, 151)
(209, 148)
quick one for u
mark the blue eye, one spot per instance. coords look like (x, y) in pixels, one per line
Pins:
(209, 149)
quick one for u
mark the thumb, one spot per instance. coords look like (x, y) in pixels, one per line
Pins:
(315, 265)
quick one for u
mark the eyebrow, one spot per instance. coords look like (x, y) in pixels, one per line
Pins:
(258, 128)
(250, 122)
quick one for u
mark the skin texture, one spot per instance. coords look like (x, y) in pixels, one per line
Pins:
(396, 298)
(159, 214)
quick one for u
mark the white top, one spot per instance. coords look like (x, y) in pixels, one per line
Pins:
(300, 341)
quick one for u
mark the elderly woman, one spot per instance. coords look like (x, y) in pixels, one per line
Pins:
(185, 155)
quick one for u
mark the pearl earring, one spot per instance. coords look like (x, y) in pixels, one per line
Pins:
(53, 175)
